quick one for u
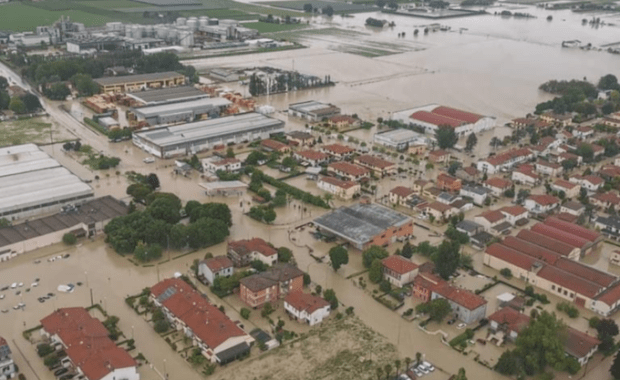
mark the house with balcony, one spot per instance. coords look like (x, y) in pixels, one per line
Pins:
(218, 266)
(269, 286)
(8, 369)
(306, 308)
(398, 270)
(243, 252)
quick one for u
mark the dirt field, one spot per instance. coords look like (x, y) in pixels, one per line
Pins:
(35, 130)
(339, 349)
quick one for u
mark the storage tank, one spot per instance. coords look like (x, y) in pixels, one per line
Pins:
(138, 31)
(149, 31)
(181, 21)
(203, 21)
(161, 31)
(186, 38)
(173, 34)
(192, 24)
(213, 21)
(229, 22)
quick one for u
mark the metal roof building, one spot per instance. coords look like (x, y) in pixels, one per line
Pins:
(180, 112)
(313, 110)
(191, 138)
(360, 223)
(140, 81)
(399, 138)
(32, 183)
(168, 95)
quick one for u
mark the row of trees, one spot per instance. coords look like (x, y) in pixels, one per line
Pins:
(580, 96)
(284, 82)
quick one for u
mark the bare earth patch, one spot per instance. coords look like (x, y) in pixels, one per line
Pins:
(343, 349)
(34, 130)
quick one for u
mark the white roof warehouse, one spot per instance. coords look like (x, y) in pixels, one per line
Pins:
(180, 112)
(191, 138)
(33, 183)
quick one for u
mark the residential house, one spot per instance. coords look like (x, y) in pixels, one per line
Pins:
(215, 164)
(570, 189)
(243, 252)
(218, 266)
(468, 174)
(490, 219)
(311, 157)
(597, 150)
(466, 306)
(420, 185)
(548, 168)
(564, 136)
(573, 208)
(439, 156)
(541, 203)
(508, 321)
(567, 156)
(306, 307)
(614, 258)
(301, 138)
(343, 122)
(379, 166)
(424, 284)
(552, 117)
(504, 161)
(269, 286)
(515, 215)
(525, 175)
(447, 198)
(448, 183)
(8, 369)
(590, 182)
(609, 172)
(606, 200)
(440, 211)
(498, 186)
(86, 342)
(219, 339)
(417, 148)
(469, 227)
(398, 270)
(338, 151)
(340, 188)
(400, 195)
(612, 120)
(274, 146)
(478, 194)
(584, 132)
(580, 345)
(348, 170)
(609, 226)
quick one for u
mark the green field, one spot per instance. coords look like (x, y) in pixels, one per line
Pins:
(112, 4)
(265, 27)
(338, 7)
(20, 17)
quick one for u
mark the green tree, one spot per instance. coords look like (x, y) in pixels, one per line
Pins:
(254, 157)
(17, 105)
(339, 256)
(607, 329)
(161, 326)
(285, 255)
(461, 375)
(245, 313)
(84, 84)
(472, 140)
(165, 209)
(5, 100)
(407, 250)
(437, 309)
(308, 8)
(375, 273)
(230, 153)
(615, 367)
(608, 82)
(69, 238)
(447, 258)
(446, 137)
(330, 296)
(269, 215)
(146, 253)
(31, 102)
(372, 253)
(4, 83)
(328, 11)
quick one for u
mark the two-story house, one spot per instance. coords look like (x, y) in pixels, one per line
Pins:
(306, 307)
(269, 286)
(398, 270)
(243, 252)
(219, 266)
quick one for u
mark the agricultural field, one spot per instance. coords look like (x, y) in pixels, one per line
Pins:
(35, 130)
(112, 4)
(265, 27)
(344, 349)
(339, 7)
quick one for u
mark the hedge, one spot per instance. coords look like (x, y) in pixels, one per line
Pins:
(296, 193)
(460, 339)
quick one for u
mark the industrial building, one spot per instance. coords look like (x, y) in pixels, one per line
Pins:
(181, 112)
(365, 224)
(399, 139)
(313, 110)
(196, 137)
(167, 95)
(88, 219)
(32, 183)
(433, 116)
(141, 81)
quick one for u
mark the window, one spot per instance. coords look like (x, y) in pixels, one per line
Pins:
(552, 287)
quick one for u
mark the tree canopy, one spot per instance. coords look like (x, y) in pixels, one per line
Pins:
(446, 137)
(338, 256)
(372, 253)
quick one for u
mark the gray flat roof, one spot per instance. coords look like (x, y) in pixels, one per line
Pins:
(29, 177)
(399, 135)
(360, 223)
(204, 129)
(310, 106)
(97, 210)
(107, 81)
(173, 108)
(222, 185)
(168, 95)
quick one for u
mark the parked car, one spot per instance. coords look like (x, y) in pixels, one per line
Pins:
(429, 366)
(61, 371)
(452, 321)
(461, 326)
(149, 160)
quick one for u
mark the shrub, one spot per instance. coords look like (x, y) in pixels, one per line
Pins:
(44, 349)
(69, 238)
(385, 286)
(567, 308)
(506, 272)
(161, 326)
(245, 313)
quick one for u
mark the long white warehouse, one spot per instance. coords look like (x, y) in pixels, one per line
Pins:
(191, 138)
(32, 183)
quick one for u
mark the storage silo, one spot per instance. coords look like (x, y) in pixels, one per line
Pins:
(186, 38)
(181, 21)
(213, 21)
(203, 21)
(192, 24)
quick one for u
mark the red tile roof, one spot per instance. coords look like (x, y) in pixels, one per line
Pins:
(338, 182)
(586, 272)
(438, 206)
(527, 170)
(457, 114)
(511, 256)
(544, 199)
(349, 168)
(301, 301)
(225, 161)
(610, 198)
(567, 217)
(373, 161)
(341, 118)
(585, 129)
(87, 342)
(447, 179)
(610, 296)
(531, 249)
(436, 119)
(514, 210)
(462, 297)
(3, 342)
(546, 242)
(565, 184)
(594, 179)
(579, 344)
(501, 158)
(312, 155)
(398, 264)
(500, 183)
(561, 235)
(273, 144)
(610, 171)
(548, 164)
(338, 149)
(428, 280)
(438, 153)
(492, 216)
(512, 319)
(205, 320)
(573, 229)
(274, 276)
(216, 264)
(243, 247)
(569, 281)
(402, 191)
